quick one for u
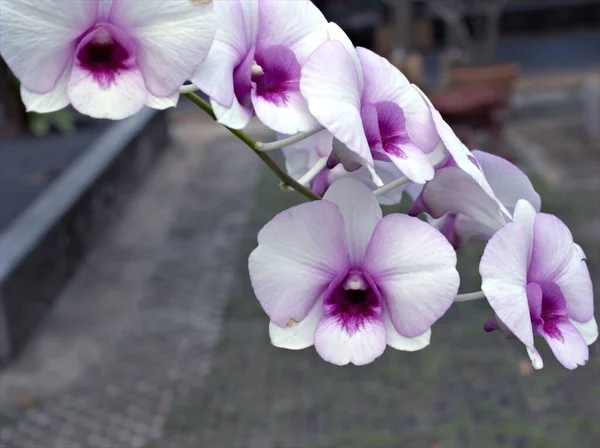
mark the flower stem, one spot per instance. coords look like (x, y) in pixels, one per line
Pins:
(188, 88)
(469, 297)
(391, 186)
(311, 173)
(201, 103)
(253, 145)
(264, 147)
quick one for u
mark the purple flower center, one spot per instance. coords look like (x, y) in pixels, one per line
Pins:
(448, 229)
(385, 127)
(320, 183)
(242, 85)
(281, 75)
(354, 301)
(103, 53)
(547, 308)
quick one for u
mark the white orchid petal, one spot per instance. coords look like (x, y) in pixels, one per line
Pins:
(299, 254)
(414, 268)
(38, 38)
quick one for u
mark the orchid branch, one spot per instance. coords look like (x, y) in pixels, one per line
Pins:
(259, 146)
(310, 174)
(253, 145)
(391, 186)
(264, 147)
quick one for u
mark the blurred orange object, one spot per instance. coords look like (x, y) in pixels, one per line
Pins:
(477, 99)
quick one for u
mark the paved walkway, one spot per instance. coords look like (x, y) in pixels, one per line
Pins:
(467, 389)
(135, 330)
(160, 343)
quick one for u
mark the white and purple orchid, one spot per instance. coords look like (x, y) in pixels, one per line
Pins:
(457, 153)
(370, 106)
(309, 161)
(535, 278)
(108, 58)
(460, 200)
(333, 273)
(461, 205)
(254, 64)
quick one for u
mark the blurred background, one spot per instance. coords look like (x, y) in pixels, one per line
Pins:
(126, 315)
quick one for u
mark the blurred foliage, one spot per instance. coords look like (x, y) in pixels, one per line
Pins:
(62, 121)
(40, 125)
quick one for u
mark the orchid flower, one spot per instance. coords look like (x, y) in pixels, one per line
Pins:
(461, 207)
(460, 199)
(370, 106)
(536, 280)
(254, 64)
(108, 59)
(333, 273)
(308, 161)
(458, 154)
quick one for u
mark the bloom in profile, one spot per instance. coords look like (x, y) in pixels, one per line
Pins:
(304, 158)
(465, 206)
(458, 154)
(537, 281)
(254, 64)
(108, 59)
(335, 275)
(370, 106)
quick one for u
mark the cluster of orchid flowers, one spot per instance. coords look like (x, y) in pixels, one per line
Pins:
(332, 272)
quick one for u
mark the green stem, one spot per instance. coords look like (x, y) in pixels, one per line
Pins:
(264, 147)
(284, 177)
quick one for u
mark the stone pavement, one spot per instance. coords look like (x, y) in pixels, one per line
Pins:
(135, 329)
(468, 389)
(182, 359)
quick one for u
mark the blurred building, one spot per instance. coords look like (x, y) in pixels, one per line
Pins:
(529, 17)
(362, 19)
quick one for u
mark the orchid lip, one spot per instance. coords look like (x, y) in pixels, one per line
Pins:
(354, 301)
(549, 310)
(242, 84)
(104, 51)
(275, 74)
(385, 127)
